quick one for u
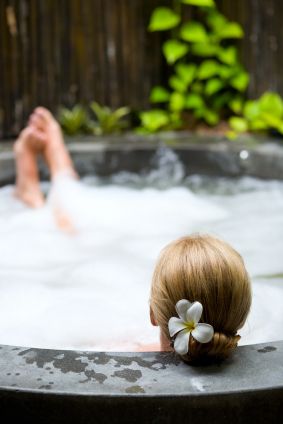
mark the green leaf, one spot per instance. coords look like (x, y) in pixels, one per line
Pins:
(108, 121)
(204, 49)
(186, 72)
(236, 104)
(197, 87)
(210, 116)
(216, 20)
(241, 81)
(174, 50)
(271, 102)
(271, 120)
(163, 18)
(267, 112)
(251, 110)
(141, 131)
(177, 102)
(159, 95)
(231, 30)
(101, 112)
(194, 101)
(208, 69)
(73, 120)
(238, 124)
(258, 125)
(198, 113)
(280, 128)
(193, 32)
(175, 120)
(120, 113)
(212, 86)
(226, 72)
(222, 100)
(153, 120)
(228, 55)
(202, 3)
(177, 84)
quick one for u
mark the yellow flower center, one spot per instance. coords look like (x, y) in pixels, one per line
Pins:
(190, 325)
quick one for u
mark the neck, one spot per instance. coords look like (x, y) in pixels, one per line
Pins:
(164, 343)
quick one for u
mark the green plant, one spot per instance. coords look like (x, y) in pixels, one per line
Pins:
(154, 120)
(207, 81)
(73, 120)
(108, 121)
(263, 114)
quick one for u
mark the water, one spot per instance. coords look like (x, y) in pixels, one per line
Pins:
(90, 290)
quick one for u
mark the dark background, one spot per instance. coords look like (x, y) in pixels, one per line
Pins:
(55, 52)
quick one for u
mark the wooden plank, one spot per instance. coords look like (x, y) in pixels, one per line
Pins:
(24, 43)
(2, 70)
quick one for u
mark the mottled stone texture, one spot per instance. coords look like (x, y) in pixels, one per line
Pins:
(52, 386)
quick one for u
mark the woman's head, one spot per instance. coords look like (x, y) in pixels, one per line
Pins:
(204, 269)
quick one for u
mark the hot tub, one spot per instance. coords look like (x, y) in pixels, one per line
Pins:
(45, 385)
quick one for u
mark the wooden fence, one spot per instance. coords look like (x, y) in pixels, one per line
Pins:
(55, 52)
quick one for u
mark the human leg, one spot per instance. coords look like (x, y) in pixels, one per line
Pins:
(29, 144)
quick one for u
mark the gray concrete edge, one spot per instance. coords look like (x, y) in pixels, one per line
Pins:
(251, 368)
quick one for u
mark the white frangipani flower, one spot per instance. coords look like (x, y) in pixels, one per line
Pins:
(187, 324)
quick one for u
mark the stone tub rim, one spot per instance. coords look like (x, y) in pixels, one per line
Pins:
(37, 366)
(206, 155)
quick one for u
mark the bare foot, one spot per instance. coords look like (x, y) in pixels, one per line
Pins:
(29, 143)
(57, 157)
(55, 152)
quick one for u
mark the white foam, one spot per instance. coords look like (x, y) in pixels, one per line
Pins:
(90, 290)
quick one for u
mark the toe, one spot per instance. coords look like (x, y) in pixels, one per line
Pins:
(44, 114)
(37, 121)
(37, 139)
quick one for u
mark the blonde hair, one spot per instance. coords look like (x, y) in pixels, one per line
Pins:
(205, 269)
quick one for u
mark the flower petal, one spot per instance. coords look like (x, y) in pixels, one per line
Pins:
(181, 307)
(194, 313)
(181, 343)
(175, 325)
(203, 333)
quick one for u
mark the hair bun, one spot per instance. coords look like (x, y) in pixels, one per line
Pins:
(222, 345)
(219, 347)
